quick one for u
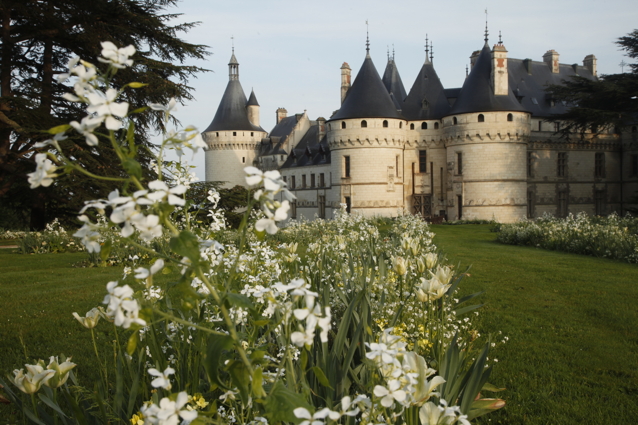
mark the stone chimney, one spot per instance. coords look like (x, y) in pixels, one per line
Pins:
(345, 80)
(473, 57)
(281, 114)
(527, 63)
(321, 123)
(499, 70)
(551, 59)
(590, 63)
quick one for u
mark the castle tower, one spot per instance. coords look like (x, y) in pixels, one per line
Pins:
(345, 80)
(233, 135)
(366, 138)
(426, 168)
(392, 82)
(486, 133)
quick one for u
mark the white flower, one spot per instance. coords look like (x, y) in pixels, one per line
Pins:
(168, 412)
(118, 58)
(393, 392)
(91, 319)
(104, 106)
(44, 172)
(162, 379)
(143, 273)
(89, 234)
(314, 419)
(121, 306)
(54, 141)
(166, 108)
(161, 192)
(61, 372)
(31, 382)
(86, 128)
(302, 338)
(148, 226)
(380, 353)
(433, 289)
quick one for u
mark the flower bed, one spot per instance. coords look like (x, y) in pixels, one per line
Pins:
(608, 237)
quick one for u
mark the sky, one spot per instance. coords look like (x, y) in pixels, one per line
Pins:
(291, 52)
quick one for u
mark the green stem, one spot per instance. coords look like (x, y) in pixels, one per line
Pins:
(35, 407)
(186, 322)
(99, 361)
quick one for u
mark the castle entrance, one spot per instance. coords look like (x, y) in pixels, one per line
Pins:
(422, 205)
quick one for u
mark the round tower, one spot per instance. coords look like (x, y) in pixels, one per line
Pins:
(486, 134)
(366, 138)
(234, 134)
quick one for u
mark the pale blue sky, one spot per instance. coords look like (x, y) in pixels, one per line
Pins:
(290, 52)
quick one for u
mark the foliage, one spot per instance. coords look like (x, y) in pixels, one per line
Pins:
(607, 103)
(607, 237)
(232, 202)
(39, 39)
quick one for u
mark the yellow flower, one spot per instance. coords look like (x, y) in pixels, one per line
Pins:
(137, 419)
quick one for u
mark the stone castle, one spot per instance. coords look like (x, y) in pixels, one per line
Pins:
(482, 151)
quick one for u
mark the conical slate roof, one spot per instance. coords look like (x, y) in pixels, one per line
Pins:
(231, 113)
(252, 100)
(392, 82)
(477, 94)
(426, 100)
(368, 97)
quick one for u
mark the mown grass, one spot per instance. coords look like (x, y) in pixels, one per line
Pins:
(571, 320)
(572, 324)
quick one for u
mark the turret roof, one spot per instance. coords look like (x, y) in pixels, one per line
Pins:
(231, 113)
(368, 97)
(426, 100)
(392, 82)
(477, 94)
(252, 100)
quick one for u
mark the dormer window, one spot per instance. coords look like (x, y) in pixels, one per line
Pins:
(364, 124)
(385, 123)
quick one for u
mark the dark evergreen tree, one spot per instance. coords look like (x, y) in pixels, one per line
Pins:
(610, 102)
(38, 39)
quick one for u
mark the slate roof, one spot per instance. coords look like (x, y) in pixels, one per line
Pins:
(252, 100)
(392, 82)
(528, 79)
(427, 98)
(309, 150)
(367, 97)
(477, 94)
(273, 144)
(231, 113)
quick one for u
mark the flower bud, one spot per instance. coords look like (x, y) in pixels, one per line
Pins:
(400, 265)
(430, 260)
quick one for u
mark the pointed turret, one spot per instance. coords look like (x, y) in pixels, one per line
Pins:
(426, 100)
(252, 107)
(477, 93)
(232, 113)
(392, 82)
(368, 96)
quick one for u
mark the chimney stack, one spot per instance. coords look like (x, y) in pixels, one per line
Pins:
(473, 57)
(321, 123)
(499, 70)
(281, 114)
(590, 63)
(527, 63)
(345, 80)
(551, 58)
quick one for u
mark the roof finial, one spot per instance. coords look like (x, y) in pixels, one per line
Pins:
(431, 52)
(486, 33)
(427, 48)
(393, 52)
(232, 42)
(388, 52)
(467, 71)
(367, 39)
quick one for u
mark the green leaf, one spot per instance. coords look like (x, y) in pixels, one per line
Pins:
(51, 404)
(492, 388)
(258, 382)
(138, 110)
(106, 250)
(186, 245)
(483, 406)
(132, 167)
(59, 129)
(217, 344)
(137, 85)
(132, 343)
(459, 312)
(281, 402)
(32, 416)
(239, 300)
(321, 377)
(240, 375)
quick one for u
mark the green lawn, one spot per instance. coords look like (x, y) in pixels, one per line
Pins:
(572, 323)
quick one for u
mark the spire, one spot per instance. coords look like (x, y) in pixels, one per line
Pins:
(393, 51)
(486, 32)
(427, 49)
(388, 53)
(467, 71)
(431, 52)
(500, 40)
(233, 65)
(368, 41)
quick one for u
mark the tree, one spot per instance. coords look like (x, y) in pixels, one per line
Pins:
(38, 39)
(609, 102)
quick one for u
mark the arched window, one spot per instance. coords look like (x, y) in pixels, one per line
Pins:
(454, 121)
(424, 126)
(343, 124)
(400, 125)
(510, 117)
(411, 126)
(364, 124)
(385, 123)
(436, 125)
(481, 118)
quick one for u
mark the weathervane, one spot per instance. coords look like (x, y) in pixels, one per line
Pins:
(232, 42)
(367, 38)
(486, 33)
(622, 65)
